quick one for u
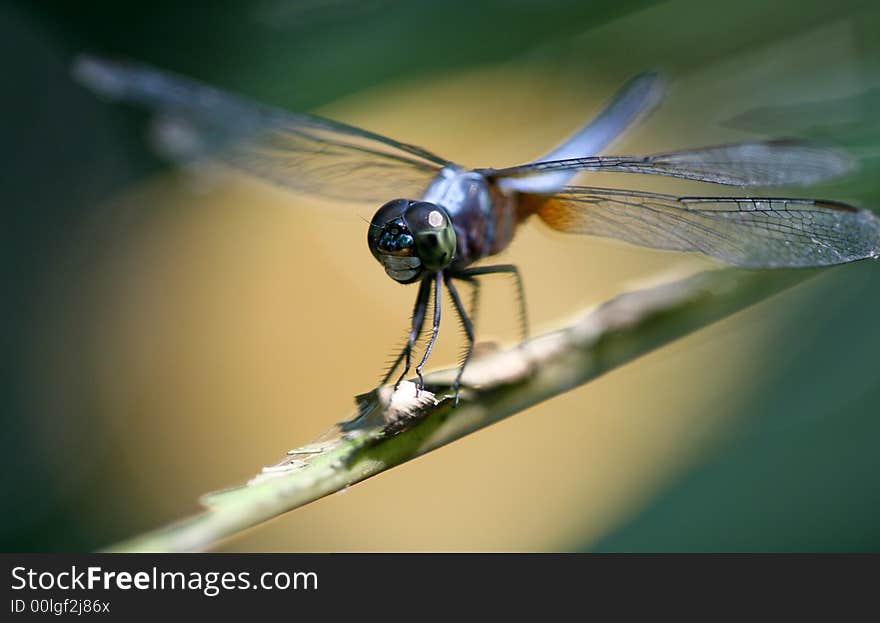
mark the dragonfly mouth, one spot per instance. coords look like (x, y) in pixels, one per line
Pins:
(402, 268)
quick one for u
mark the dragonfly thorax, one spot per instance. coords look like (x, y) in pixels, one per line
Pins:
(411, 239)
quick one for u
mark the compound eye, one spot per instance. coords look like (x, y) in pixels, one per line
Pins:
(394, 240)
(433, 234)
(388, 232)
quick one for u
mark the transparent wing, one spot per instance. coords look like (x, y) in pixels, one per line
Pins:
(634, 101)
(770, 163)
(302, 152)
(747, 232)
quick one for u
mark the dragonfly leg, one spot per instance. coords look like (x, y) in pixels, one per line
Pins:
(510, 269)
(438, 286)
(475, 297)
(466, 324)
(418, 320)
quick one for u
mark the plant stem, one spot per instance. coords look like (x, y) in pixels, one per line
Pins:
(396, 427)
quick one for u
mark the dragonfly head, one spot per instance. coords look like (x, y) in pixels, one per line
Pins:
(410, 238)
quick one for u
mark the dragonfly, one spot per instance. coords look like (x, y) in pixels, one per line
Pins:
(438, 220)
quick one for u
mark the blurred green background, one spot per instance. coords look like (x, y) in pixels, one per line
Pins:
(167, 333)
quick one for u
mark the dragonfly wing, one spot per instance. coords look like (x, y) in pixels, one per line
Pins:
(767, 164)
(747, 232)
(298, 151)
(634, 100)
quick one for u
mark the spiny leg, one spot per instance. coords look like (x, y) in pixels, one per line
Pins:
(520, 292)
(475, 298)
(418, 320)
(438, 281)
(468, 329)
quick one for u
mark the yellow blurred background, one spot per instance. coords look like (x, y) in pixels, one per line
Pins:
(240, 320)
(228, 321)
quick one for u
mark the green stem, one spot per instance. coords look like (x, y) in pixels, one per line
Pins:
(393, 430)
